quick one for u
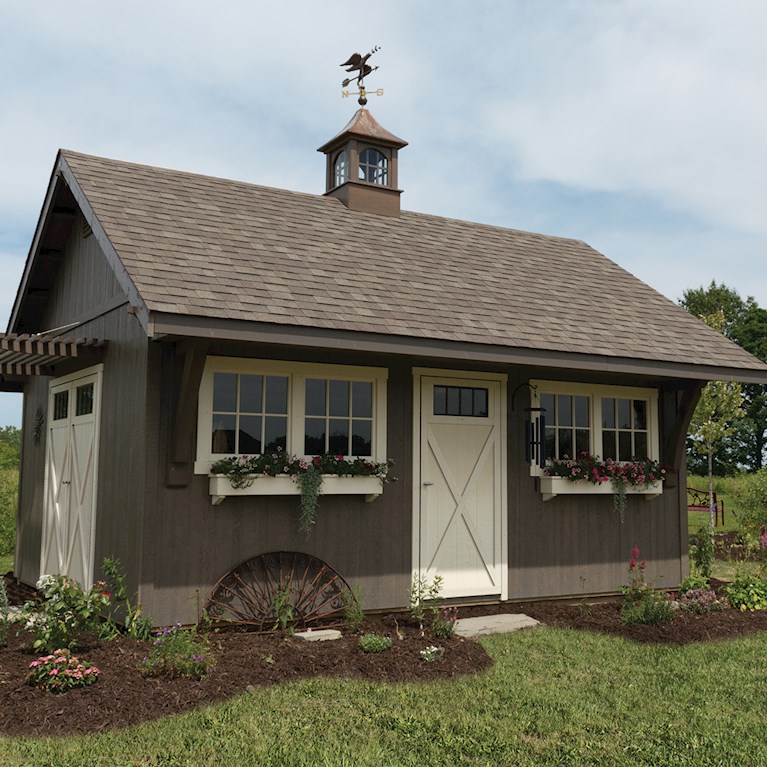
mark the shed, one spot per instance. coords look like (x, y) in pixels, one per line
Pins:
(198, 318)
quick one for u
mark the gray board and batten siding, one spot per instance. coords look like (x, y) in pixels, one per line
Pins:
(84, 282)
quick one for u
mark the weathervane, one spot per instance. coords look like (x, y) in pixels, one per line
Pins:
(358, 63)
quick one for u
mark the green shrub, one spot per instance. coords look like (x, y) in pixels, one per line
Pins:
(61, 672)
(443, 622)
(375, 643)
(134, 624)
(9, 488)
(703, 551)
(642, 603)
(423, 596)
(693, 582)
(178, 652)
(747, 592)
(653, 608)
(751, 492)
(352, 603)
(65, 613)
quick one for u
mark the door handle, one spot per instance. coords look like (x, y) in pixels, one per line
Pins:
(427, 483)
(66, 482)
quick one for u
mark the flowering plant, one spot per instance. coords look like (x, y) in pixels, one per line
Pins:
(178, 653)
(243, 470)
(66, 612)
(61, 672)
(638, 472)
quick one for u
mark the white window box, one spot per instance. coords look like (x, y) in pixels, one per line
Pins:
(552, 486)
(221, 487)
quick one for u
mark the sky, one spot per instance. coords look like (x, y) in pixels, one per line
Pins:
(639, 126)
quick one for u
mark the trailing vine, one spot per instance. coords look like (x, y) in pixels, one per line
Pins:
(310, 482)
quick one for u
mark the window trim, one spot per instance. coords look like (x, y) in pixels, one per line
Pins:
(595, 393)
(297, 373)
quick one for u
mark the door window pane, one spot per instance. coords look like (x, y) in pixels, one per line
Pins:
(60, 405)
(84, 400)
(440, 400)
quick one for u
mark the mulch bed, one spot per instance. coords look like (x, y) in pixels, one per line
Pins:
(123, 696)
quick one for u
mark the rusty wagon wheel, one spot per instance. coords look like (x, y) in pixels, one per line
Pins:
(282, 583)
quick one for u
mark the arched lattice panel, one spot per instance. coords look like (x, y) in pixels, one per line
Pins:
(257, 591)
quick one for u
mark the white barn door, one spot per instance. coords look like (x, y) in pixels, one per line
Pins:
(461, 485)
(70, 476)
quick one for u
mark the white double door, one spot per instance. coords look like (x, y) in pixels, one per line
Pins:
(70, 476)
(460, 520)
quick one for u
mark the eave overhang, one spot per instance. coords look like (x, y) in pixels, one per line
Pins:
(166, 326)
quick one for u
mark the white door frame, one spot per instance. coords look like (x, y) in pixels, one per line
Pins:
(460, 375)
(95, 370)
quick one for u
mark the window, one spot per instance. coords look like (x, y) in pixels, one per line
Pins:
(247, 407)
(616, 422)
(461, 401)
(373, 167)
(340, 169)
(60, 405)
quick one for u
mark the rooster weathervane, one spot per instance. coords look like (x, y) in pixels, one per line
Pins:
(359, 63)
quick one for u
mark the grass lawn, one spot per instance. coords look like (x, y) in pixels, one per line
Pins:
(554, 697)
(6, 563)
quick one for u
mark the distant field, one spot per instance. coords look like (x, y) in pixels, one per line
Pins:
(723, 487)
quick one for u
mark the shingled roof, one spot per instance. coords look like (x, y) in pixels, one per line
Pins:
(213, 248)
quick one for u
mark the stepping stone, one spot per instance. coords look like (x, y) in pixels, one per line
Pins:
(493, 624)
(320, 635)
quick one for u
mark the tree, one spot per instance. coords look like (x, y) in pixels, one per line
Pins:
(714, 418)
(745, 322)
(10, 447)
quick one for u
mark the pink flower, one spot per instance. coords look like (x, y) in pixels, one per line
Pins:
(53, 672)
(635, 552)
(643, 564)
(633, 564)
(763, 539)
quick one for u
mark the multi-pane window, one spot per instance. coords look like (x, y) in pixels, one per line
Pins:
(568, 425)
(341, 169)
(250, 413)
(624, 428)
(461, 401)
(338, 417)
(249, 407)
(373, 167)
(615, 422)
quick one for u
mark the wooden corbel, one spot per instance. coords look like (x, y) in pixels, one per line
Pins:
(181, 451)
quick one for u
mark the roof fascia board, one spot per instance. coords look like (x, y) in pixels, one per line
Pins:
(49, 196)
(126, 283)
(166, 324)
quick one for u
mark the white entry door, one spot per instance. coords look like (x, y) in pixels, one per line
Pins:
(460, 527)
(70, 476)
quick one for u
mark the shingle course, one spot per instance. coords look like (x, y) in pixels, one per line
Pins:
(211, 247)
